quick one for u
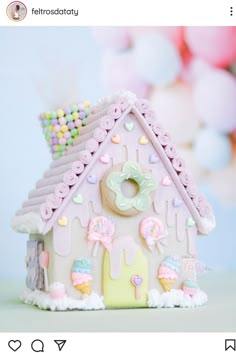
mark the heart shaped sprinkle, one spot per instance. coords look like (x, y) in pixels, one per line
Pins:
(153, 158)
(116, 139)
(190, 222)
(129, 126)
(177, 202)
(143, 140)
(105, 158)
(78, 199)
(92, 179)
(166, 181)
(62, 221)
(136, 280)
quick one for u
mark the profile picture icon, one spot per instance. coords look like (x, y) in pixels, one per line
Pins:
(16, 11)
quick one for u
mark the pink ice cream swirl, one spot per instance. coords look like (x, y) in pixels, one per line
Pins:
(166, 273)
(79, 278)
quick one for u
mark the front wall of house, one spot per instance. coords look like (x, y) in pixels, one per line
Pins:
(70, 239)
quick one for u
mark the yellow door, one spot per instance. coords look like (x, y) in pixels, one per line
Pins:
(125, 279)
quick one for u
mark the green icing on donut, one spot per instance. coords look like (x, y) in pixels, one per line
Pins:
(146, 183)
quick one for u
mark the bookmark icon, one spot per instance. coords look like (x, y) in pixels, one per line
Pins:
(60, 344)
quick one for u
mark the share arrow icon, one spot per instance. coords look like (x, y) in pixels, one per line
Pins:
(60, 343)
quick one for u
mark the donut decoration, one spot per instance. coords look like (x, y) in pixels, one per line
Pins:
(142, 200)
(100, 231)
(154, 234)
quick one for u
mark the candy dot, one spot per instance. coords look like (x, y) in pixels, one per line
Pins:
(57, 128)
(74, 132)
(84, 122)
(74, 108)
(62, 141)
(67, 110)
(87, 111)
(48, 115)
(78, 123)
(67, 134)
(62, 148)
(60, 134)
(75, 115)
(70, 141)
(86, 104)
(53, 115)
(64, 128)
(60, 113)
(71, 125)
(82, 115)
(69, 117)
(62, 121)
(81, 107)
(54, 122)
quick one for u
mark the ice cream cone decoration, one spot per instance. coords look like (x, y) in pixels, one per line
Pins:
(81, 275)
(168, 272)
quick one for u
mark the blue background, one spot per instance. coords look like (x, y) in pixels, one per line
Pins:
(43, 68)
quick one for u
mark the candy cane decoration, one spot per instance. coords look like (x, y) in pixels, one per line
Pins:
(152, 230)
(100, 230)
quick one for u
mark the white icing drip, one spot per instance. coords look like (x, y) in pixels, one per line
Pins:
(192, 246)
(105, 101)
(30, 223)
(175, 297)
(44, 301)
(207, 224)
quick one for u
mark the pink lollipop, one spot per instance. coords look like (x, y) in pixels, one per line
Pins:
(101, 230)
(137, 281)
(44, 262)
(152, 230)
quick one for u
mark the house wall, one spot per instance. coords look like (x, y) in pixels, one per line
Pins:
(70, 240)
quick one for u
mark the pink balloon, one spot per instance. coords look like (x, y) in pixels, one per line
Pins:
(119, 73)
(216, 45)
(174, 33)
(112, 37)
(215, 100)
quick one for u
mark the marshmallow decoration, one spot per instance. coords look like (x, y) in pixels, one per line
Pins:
(216, 45)
(157, 60)
(119, 71)
(212, 149)
(214, 96)
(176, 109)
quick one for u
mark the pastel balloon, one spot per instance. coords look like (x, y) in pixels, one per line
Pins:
(119, 72)
(216, 45)
(176, 111)
(215, 100)
(112, 37)
(174, 33)
(212, 149)
(195, 68)
(157, 60)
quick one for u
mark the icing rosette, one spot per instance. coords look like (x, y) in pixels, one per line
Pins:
(168, 271)
(185, 178)
(92, 145)
(77, 167)
(143, 105)
(191, 190)
(45, 211)
(85, 156)
(150, 117)
(53, 201)
(99, 134)
(197, 200)
(164, 138)
(107, 122)
(178, 164)
(157, 129)
(70, 178)
(204, 209)
(62, 190)
(81, 275)
(170, 150)
(114, 111)
(152, 230)
(122, 103)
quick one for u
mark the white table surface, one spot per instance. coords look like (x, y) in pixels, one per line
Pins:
(218, 315)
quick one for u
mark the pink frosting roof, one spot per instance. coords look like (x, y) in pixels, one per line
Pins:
(59, 182)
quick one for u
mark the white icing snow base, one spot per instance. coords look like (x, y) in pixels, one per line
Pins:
(175, 297)
(44, 301)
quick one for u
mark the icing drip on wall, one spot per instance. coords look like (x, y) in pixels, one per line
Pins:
(180, 227)
(62, 238)
(122, 245)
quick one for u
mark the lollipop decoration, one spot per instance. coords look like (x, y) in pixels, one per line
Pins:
(152, 230)
(44, 263)
(137, 281)
(168, 271)
(101, 230)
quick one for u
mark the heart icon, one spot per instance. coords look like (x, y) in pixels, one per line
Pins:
(116, 139)
(14, 345)
(190, 222)
(78, 199)
(129, 126)
(92, 179)
(143, 140)
(105, 159)
(166, 181)
(177, 202)
(153, 158)
(136, 280)
(62, 221)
